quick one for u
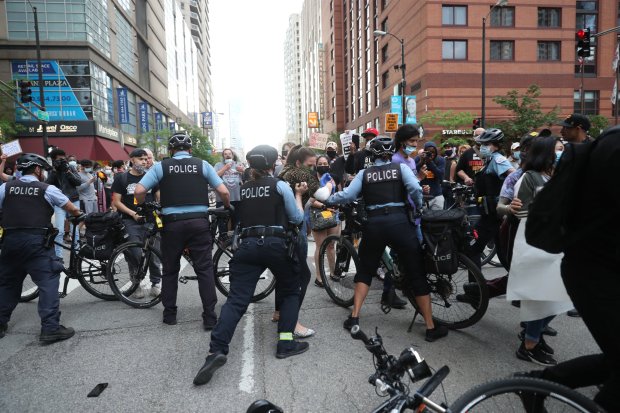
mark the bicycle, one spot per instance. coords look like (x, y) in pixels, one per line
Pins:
(338, 278)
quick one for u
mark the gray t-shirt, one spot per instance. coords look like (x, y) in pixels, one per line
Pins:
(86, 191)
(232, 179)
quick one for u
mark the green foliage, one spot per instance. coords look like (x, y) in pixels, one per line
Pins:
(8, 128)
(454, 141)
(448, 119)
(598, 124)
(526, 110)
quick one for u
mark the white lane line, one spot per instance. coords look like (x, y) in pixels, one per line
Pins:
(247, 369)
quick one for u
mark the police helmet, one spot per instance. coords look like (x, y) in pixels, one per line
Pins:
(180, 140)
(492, 135)
(28, 160)
(382, 145)
(262, 157)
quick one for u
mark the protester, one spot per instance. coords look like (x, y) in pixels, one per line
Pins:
(231, 171)
(435, 166)
(86, 191)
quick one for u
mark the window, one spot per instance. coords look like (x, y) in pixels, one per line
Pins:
(384, 53)
(549, 51)
(454, 50)
(454, 15)
(590, 106)
(503, 17)
(502, 49)
(385, 79)
(384, 25)
(549, 17)
(124, 44)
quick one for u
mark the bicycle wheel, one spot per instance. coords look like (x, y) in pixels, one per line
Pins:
(523, 394)
(92, 276)
(338, 274)
(30, 291)
(488, 254)
(466, 282)
(266, 283)
(131, 283)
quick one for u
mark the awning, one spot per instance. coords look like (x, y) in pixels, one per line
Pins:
(108, 150)
(80, 146)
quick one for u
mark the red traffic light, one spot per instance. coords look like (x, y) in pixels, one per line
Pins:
(581, 34)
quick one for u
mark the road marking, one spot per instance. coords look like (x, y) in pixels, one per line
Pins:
(247, 369)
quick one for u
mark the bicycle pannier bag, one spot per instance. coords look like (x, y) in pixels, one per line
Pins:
(442, 232)
(104, 231)
(320, 220)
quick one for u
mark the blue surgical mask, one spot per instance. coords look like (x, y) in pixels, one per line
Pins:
(73, 164)
(516, 155)
(485, 151)
(558, 155)
(410, 149)
(88, 170)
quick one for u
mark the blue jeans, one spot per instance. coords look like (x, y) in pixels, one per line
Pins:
(534, 329)
(59, 222)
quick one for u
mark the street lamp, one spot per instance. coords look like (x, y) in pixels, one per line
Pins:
(499, 3)
(381, 33)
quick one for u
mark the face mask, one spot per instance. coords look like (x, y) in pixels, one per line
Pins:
(558, 155)
(331, 154)
(88, 170)
(73, 164)
(322, 169)
(139, 169)
(485, 152)
(410, 149)
(517, 155)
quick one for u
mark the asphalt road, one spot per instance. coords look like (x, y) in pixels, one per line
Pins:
(150, 366)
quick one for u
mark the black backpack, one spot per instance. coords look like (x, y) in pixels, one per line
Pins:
(443, 232)
(104, 231)
(552, 219)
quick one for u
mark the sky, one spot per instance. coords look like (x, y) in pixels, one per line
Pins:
(247, 52)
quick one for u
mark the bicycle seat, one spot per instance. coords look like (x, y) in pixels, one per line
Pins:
(220, 212)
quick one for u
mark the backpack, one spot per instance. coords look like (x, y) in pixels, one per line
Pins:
(552, 220)
(443, 233)
(104, 231)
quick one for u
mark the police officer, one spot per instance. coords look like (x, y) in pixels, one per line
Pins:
(384, 188)
(266, 210)
(183, 182)
(27, 207)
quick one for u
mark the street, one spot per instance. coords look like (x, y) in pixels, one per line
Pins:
(150, 366)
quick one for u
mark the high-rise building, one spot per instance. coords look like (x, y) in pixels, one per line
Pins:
(111, 71)
(293, 81)
(526, 43)
(312, 65)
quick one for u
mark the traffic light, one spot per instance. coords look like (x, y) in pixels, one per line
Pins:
(25, 91)
(583, 43)
(476, 123)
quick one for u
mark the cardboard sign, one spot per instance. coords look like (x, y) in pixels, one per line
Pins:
(318, 140)
(391, 122)
(345, 140)
(11, 148)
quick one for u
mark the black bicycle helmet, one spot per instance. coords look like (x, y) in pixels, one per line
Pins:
(180, 140)
(262, 157)
(32, 159)
(382, 145)
(492, 135)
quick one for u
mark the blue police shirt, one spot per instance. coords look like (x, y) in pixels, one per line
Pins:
(52, 195)
(156, 173)
(352, 192)
(498, 164)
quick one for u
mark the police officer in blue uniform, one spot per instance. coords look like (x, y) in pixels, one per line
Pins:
(27, 206)
(183, 182)
(267, 211)
(384, 188)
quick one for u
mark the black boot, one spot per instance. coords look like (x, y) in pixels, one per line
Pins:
(62, 333)
(390, 299)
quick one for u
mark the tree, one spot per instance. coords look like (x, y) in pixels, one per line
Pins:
(201, 145)
(448, 119)
(8, 128)
(527, 114)
(598, 124)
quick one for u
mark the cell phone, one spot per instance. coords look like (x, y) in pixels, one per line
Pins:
(97, 390)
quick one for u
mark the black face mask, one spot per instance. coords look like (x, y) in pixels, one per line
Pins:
(322, 169)
(331, 154)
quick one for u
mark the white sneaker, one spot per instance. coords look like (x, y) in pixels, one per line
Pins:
(225, 279)
(155, 290)
(139, 293)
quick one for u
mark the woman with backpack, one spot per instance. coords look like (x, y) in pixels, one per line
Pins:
(535, 274)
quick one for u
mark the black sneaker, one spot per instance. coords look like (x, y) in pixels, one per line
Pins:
(288, 348)
(548, 331)
(436, 333)
(62, 333)
(390, 299)
(3, 328)
(350, 322)
(543, 344)
(170, 321)
(535, 355)
(212, 363)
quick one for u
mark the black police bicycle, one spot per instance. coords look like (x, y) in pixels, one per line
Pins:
(338, 272)
(516, 394)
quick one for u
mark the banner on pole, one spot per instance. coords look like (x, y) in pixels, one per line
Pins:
(123, 105)
(144, 116)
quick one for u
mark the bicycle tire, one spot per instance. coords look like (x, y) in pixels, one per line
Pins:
(442, 303)
(123, 283)
(524, 390)
(339, 285)
(30, 291)
(221, 270)
(486, 257)
(92, 276)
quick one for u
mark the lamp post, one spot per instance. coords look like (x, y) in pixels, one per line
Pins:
(499, 3)
(402, 67)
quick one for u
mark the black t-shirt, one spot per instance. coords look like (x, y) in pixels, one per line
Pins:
(125, 185)
(336, 169)
(470, 163)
